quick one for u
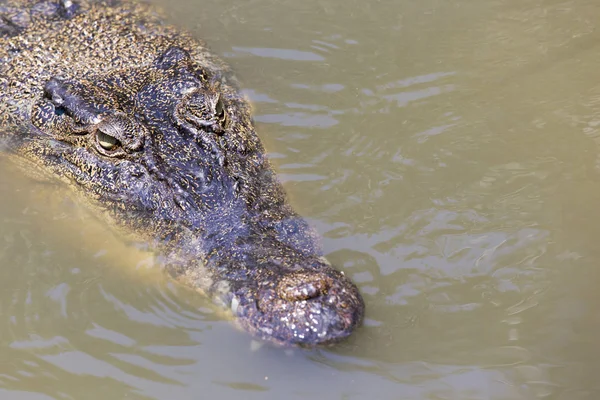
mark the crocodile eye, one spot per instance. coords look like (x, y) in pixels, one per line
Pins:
(107, 142)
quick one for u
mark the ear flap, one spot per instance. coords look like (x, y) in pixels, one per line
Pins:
(70, 97)
(171, 57)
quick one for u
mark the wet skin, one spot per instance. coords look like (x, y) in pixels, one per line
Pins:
(149, 128)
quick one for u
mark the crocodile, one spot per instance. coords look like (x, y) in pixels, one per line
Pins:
(146, 126)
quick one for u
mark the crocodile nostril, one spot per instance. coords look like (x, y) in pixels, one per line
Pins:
(299, 286)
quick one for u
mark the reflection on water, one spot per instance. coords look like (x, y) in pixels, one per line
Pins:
(448, 154)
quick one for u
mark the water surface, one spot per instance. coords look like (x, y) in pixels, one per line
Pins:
(448, 153)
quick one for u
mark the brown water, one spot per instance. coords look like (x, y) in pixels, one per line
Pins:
(449, 154)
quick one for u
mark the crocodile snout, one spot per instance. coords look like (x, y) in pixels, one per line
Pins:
(303, 308)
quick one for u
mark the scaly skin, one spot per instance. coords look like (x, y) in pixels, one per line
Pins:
(150, 129)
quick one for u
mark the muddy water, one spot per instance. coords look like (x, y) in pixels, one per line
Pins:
(449, 154)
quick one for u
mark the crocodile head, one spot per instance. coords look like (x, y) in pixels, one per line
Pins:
(168, 151)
